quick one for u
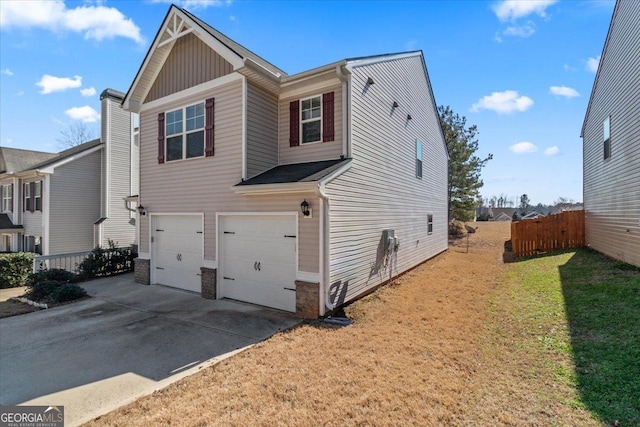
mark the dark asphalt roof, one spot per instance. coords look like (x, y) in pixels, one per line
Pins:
(6, 224)
(296, 172)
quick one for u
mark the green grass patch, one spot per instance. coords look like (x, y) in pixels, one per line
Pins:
(582, 308)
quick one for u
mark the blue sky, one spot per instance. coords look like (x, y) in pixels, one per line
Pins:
(522, 71)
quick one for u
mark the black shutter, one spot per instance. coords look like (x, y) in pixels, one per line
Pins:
(161, 138)
(209, 129)
(327, 117)
(294, 123)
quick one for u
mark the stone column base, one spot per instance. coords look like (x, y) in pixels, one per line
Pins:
(307, 300)
(142, 271)
(208, 281)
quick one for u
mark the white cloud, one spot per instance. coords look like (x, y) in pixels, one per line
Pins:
(552, 151)
(90, 91)
(565, 91)
(95, 22)
(86, 114)
(592, 64)
(196, 4)
(7, 71)
(523, 147)
(568, 67)
(503, 102)
(232, 18)
(523, 31)
(50, 84)
(513, 9)
(20, 93)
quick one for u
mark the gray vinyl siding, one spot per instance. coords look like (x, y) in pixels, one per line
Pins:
(262, 130)
(205, 185)
(119, 226)
(612, 186)
(31, 221)
(74, 204)
(381, 191)
(190, 63)
(316, 151)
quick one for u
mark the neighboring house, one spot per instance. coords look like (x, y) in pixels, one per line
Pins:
(502, 217)
(532, 215)
(611, 142)
(71, 201)
(233, 150)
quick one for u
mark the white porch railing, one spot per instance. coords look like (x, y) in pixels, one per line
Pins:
(69, 262)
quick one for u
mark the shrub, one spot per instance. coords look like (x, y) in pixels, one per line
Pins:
(106, 261)
(52, 291)
(15, 268)
(456, 228)
(56, 274)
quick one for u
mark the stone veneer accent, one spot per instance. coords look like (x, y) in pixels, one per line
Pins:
(307, 299)
(142, 271)
(208, 280)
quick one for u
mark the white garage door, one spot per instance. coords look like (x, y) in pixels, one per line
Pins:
(258, 256)
(177, 251)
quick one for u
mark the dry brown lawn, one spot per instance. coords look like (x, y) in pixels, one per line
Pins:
(436, 347)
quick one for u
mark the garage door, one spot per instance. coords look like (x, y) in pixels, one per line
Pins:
(258, 256)
(177, 251)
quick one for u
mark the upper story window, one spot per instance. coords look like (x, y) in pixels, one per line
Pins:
(32, 196)
(185, 132)
(311, 120)
(28, 205)
(37, 196)
(607, 137)
(7, 198)
(418, 159)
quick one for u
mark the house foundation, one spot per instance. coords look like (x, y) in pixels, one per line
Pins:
(142, 271)
(208, 280)
(307, 299)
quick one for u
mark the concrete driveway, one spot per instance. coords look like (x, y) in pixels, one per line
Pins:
(127, 341)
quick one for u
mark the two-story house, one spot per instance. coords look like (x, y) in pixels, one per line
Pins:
(71, 201)
(299, 192)
(611, 142)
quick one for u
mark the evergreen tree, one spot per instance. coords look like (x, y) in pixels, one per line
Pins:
(464, 165)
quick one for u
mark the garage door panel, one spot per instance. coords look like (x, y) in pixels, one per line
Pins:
(260, 260)
(178, 251)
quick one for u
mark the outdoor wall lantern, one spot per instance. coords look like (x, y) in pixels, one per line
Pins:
(141, 210)
(304, 207)
(409, 117)
(395, 104)
(370, 81)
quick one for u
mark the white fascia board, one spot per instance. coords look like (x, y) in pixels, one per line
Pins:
(336, 173)
(382, 58)
(250, 63)
(202, 87)
(314, 72)
(49, 169)
(297, 187)
(313, 88)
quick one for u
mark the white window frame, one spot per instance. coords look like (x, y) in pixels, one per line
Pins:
(419, 157)
(37, 197)
(606, 140)
(314, 119)
(26, 199)
(7, 200)
(429, 223)
(184, 132)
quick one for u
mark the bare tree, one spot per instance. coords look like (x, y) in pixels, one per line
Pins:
(76, 134)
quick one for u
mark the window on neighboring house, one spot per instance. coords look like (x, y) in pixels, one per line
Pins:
(185, 132)
(607, 137)
(7, 198)
(311, 119)
(37, 196)
(429, 223)
(27, 206)
(418, 159)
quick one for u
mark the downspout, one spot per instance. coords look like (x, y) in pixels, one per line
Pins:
(324, 247)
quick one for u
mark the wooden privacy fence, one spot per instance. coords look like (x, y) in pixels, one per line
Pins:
(560, 231)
